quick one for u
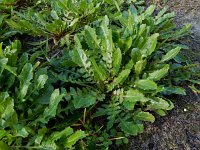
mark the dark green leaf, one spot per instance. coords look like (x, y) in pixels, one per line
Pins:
(131, 128)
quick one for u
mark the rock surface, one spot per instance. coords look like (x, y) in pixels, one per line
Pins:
(180, 129)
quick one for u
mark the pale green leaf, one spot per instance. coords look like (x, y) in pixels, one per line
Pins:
(80, 58)
(149, 47)
(160, 112)
(74, 138)
(50, 111)
(41, 81)
(146, 84)
(1, 51)
(54, 15)
(131, 97)
(41, 133)
(6, 106)
(58, 134)
(25, 77)
(159, 103)
(150, 10)
(26, 74)
(161, 13)
(158, 74)
(117, 58)
(21, 131)
(91, 37)
(107, 42)
(139, 66)
(171, 54)
(119, 79)
(99, 72)
(3, 63)
(144, 116)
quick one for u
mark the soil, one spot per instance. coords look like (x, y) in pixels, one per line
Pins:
(180, 129)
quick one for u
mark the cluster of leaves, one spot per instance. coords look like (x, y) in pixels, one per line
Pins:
(114, 68)
(24, 108)
(57, 18)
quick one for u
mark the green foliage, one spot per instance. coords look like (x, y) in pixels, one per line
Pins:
(21, 104)
(109, 74)
(57, 19)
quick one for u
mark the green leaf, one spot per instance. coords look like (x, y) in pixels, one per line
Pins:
(21, 131)
(54, 15)
(91, 37)
(58, 134)
(38, 137)
(150, 10)
(149, 47)
(171, 54)
(131, 97)
(26, 74)
(158, 74)
(99, 72)
(13, 57)
(11, 69)
(3, 63)
(50, 111)
(160, 112)
(41, 81)
(174, 90)
(24, 58)
(117, 58)
(119, 79)
(25, 77)
(159, 103)
(144, 116)
(80, 58)
(74, 138)
(6, 106)
(83, 99)
(4, 146)
(107, 42)
(146, 84)
(131, 128)
(1, 51)
(139, 66)
(161, 13)
(136, 55)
